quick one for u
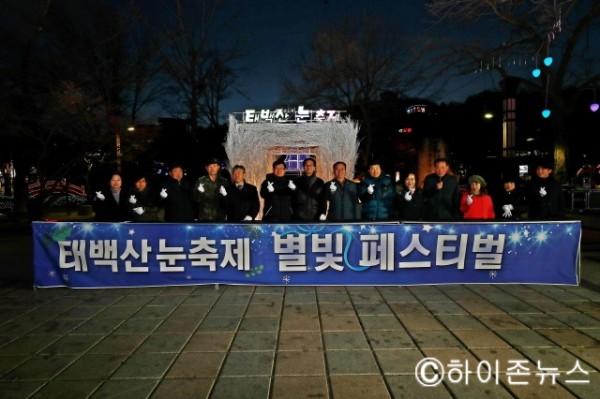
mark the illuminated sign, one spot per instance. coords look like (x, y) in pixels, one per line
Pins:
(288, 115)
(413, 109)
(405, 130)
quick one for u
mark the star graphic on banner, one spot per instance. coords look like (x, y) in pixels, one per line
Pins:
(131, 232)
(427, 228)
(493, 274)
(286, 279)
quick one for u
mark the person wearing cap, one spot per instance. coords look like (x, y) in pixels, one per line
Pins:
(508, 203)
(440, 193)
(476, 203)
(175, 195)
(544, 196)
(277, 191)
(241, 203)
(307, 200)
(142, 200)
(377, 194)
(210, 192)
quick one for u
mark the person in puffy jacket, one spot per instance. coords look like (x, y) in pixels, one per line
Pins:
(377, 194)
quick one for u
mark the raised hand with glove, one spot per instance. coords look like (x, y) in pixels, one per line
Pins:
(100, 196)
(408, 196)
(201, 187)
(507, 210)
(322, 217)
(270, 187)
(132, 199)
(543, 192)
(291, 185)
(332, 187)
(223, 191)
(371, 188)
(163, 193)
(248, 218)
(469, 200)
(139, 210)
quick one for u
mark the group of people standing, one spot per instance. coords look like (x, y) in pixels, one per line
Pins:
(214, 198)
(541, 198)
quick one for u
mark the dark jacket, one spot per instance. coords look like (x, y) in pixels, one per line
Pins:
(307, 200)
(178, 204)
(210, 203)
(441, 204)
(278, 204)
(380, 204)
(242, 202)
(549, 206)
(343, 202)
(147, 200)
(413, 209)
(109, 210)
(514, 198)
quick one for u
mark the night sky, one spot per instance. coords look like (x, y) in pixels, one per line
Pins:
(279, 31)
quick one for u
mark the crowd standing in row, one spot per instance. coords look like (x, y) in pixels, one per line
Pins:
(307, 198)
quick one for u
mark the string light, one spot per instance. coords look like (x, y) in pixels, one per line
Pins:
(594, 106)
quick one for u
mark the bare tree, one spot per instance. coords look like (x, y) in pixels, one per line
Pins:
(72, 75)
(198, 59)
(349, 66)
(535, 28)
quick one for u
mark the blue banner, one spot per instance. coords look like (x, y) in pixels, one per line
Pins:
(97, 255)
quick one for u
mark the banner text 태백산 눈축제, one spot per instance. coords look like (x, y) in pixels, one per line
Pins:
(86, 255)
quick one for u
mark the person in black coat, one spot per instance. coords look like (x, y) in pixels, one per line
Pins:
(307, 201)
(410, 201)
(509, 202)
(111, 204)
(176, 196)
(142, 200)
(544, 194)
(277, 192)
(440, 193)
(242, 204)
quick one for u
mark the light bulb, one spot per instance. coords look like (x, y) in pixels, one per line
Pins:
(594, 107)
(546, 113)
(536, 72)
(548, 61)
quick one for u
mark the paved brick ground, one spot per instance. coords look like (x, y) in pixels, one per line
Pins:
(295, 342)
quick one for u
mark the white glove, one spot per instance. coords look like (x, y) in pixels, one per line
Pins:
(100, 196)
(139, 210)
(132, 199)
(408, 196)
(163, 193)
(291, 185)
(270, 187)
(507, 210)
(543, 191)
(201, 187)
(322, 216)
(332, 187)
(222, 191)
(248, 218)
(469, 199)
(371, 189)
